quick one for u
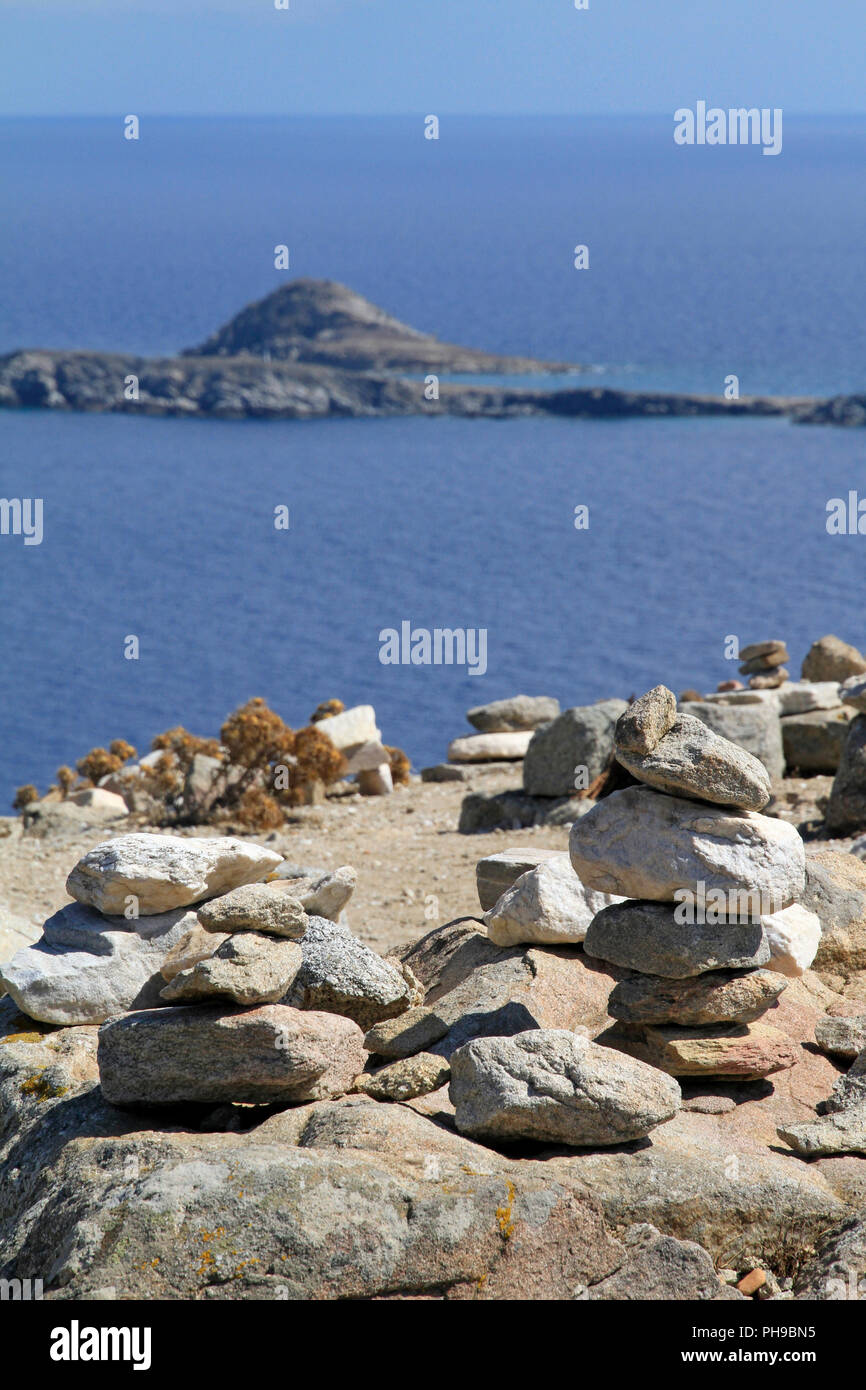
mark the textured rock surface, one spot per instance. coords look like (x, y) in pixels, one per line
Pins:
(163, 872)
(661, 1268)
(580, 738)
(852, 692)
(842, 1132)
(352, 727)
(646, 720)
(497, 872)
(407, 1034)
(340, 975)
(514, 714)
(195, 945)
(548, 905)
(836, 891)
(716, 997)
(250, 968)
(556, 1087)
(639, 843)
(793, 936)
(647, 937)
(814, 742)
(804, 697)
(749, 1051)
(516, 810)
(755, 727)
(690, 760)
(846, 809)
(841, 1037)
(831, 659)
(406, 1078)
(86, 967)
(207, 1053)
(489, 748)
(255, 907)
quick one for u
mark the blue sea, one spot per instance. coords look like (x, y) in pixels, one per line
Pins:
(703, 262)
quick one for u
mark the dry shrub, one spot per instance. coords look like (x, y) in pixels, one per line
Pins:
(256, 810)
(66, 779)
(315, 760)
(24, 796)
(399, 766)
(96, 764)
(326, 710)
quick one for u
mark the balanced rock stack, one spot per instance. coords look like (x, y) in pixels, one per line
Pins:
(764, 664)
(711, 930)
(504, 729)
(210, 984)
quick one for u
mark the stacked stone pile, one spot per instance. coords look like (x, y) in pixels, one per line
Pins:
(764, 664)
(712, 928)
(504, 729)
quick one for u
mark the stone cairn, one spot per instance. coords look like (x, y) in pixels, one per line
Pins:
(503, 732)
(764, 664)
(708, 929)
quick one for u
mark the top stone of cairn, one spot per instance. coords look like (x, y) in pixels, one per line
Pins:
(691, 760)
(162, 872)
(645, 722)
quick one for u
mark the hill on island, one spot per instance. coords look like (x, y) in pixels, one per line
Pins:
(326, 323)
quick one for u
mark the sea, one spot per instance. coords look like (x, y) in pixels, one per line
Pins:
(704, 263)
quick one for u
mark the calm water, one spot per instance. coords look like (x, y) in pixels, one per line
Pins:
(703, 262)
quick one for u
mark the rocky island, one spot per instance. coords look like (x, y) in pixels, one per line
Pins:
(316, 349)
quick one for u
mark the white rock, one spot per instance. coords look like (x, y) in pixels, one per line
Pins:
(376, 781)
(643, 844)
(97, 798)
(497, 872)
(738, 697)
(793, 936)
(799, 697)
(853, 692)
(549, 905)
(489, 748)
(353, 726)
(85, 968)
(366, 757)
(16, 932)
(163, 872)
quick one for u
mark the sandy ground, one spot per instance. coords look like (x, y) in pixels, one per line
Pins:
(414, 871)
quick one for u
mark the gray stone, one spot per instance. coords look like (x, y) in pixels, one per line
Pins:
(719, 996)
(645, 936)
(489, 748)
(841, 1037)
(259, 907)
(690, 760)
(836, 891)
(831, 659)
(771, 653)
(805, 697)
(813, 742)
(646, 720)
(445, 772)
(639, 843)
(497, 872)
(211, 1054)
(755, 727)
(406, 1078)
(321, 892)
(85, 967)
(843, 1132)
(515, 810)
(407, 1034)
(661, 1268)
(163, 872)
(852, 692)
(514, 714)
(558, 1088)
(580, 738)
(548, 905)
(250, 968)
(846, 809)
(195, 945)
(837, 1270)
(340, 975)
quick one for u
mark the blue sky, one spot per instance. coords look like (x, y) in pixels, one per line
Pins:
(394, 56)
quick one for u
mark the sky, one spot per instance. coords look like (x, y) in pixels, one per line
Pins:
(334, 57)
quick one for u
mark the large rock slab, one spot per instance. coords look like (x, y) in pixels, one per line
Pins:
(258, 907)
(341, 975)
(723, 996)
(690, 760)
(836, 891)
(513, 715)
(163, 872)
(749, 1051)
(250, 968)
(806, 697)
(638, 843)
(813, 743)
(556, 1087)
(842, 1132)
(661, 1268)
(581, 737)
(846, 809)
(489, 748)
(831, 659)
(755, 727)
(206, 1053)
(647, 937)
(86, 967)
(497, 872)
(548, 905)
